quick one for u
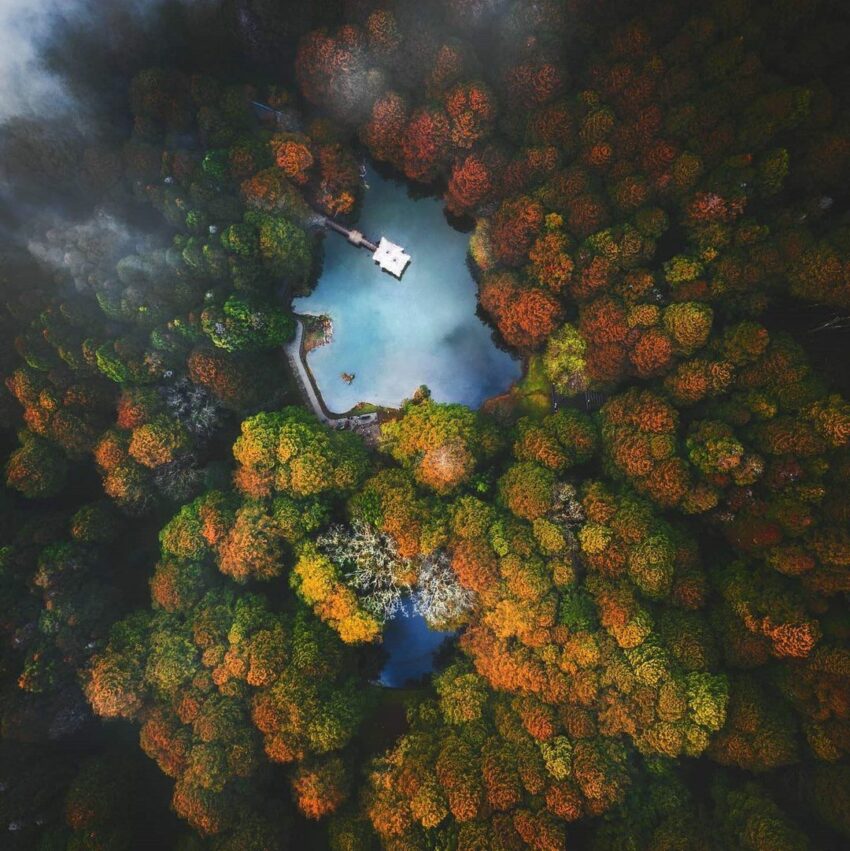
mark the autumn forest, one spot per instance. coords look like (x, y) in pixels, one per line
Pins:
(640, 550)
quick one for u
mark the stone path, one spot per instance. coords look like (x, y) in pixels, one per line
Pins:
(293, 354)
(362, 422)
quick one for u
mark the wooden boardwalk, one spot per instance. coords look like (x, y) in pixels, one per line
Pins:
(353, 236)
(390, 257)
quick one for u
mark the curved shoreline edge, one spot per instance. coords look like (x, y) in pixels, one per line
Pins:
(297, 358)
(296, 355)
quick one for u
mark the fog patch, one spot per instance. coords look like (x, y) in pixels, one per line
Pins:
(87, 252)
(28, 85)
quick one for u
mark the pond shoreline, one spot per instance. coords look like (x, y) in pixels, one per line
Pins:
(359, 418)
(296, 353)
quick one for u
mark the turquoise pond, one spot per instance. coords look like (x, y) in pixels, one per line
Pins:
(395, 335)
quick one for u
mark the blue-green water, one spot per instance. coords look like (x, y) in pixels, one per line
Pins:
(395, 335)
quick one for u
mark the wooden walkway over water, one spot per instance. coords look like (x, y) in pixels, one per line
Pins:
(353, 236)
(390, 257)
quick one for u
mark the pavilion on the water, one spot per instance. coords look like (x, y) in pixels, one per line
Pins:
(390, 257)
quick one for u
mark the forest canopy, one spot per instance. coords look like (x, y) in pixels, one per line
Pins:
(641, 549)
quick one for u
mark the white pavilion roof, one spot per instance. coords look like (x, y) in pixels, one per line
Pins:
(391, 257)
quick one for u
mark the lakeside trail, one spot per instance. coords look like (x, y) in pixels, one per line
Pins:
(364, 424)
(293, 354)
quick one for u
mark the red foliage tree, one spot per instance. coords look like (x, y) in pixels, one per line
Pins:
(425, 143)
(533, 84)
(525, 316)
(333, 71)
(471, 110)
(515, 225)
(470, 184)
(384, 132)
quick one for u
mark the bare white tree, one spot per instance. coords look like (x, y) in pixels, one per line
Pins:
(193, 405)
(180, 479)
(567, 507)
(439, 597)
(371, 566)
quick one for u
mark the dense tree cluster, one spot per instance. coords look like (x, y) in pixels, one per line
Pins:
(139, 365)
(221, 686)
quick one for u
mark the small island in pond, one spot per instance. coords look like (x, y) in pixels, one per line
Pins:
(318, 331)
